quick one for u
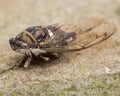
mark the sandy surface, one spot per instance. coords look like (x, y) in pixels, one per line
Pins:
(66, 75)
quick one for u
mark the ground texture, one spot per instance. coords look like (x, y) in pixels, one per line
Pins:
(92, 72)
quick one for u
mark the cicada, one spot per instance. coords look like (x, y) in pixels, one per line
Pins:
(43, 42)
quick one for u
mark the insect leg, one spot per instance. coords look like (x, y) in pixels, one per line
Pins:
(37, 51)
(22, 62)
(44, 58)
(27, 61)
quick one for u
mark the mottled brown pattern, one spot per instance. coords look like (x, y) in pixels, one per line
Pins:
(55, 38)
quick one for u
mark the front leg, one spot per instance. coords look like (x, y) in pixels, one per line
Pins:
(22, 62)
(27, 61)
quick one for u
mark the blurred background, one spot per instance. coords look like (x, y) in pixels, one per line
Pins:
(92, 73)
(36, 12)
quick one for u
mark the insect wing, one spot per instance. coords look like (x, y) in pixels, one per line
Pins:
(89, 32)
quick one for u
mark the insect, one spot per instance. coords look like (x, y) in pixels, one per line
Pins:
(51, 40)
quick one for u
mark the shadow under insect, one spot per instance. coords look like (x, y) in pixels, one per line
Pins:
(36, 61)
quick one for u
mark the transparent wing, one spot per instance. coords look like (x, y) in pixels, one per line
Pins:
(89, 32)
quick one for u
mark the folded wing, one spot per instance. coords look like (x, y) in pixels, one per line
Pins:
(89, 32)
